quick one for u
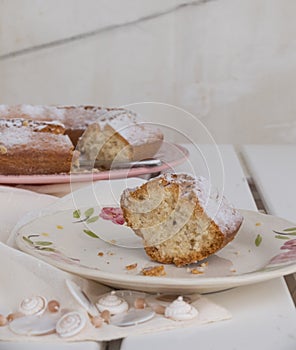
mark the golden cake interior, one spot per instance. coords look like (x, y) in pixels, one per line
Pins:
(166, 212)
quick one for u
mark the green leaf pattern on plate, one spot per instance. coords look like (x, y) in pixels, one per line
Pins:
(88, 213)
(281, 237)
(28, 240)
(290, 229)
(285, 233)
(39, 245)
(88, 218)
(76, 214)
(258, 240)
(93, 219)
(42, 243)
(91, 234)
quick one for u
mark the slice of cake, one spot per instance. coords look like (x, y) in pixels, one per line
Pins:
(179, 219)
(119, 136)
(34, 147)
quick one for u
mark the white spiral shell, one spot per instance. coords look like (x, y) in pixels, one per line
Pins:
(111, 302)
(180, 310)
(71, 324)
(34, 305)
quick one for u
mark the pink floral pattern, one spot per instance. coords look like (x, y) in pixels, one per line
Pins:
(113, 214)
(288, 256)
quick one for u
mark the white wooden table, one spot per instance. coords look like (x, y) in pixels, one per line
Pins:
(273, 172)
(263, 314)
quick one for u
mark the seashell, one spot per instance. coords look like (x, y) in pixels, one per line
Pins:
(132, 318)
(111, 302)
(35, 305)
(80, 296)
(180, 310)
(71, 324)
(171, 297)
(34, 325)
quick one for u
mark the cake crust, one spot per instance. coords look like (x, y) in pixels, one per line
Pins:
(34, 148)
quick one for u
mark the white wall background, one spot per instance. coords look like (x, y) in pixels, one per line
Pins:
(231, 63)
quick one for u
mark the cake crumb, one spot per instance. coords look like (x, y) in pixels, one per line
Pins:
(154, 271)
(200, 269)
(196, 271)
(258, 224)
(204, 264)
(3, 149)
(60, 227)
(100, 254)
(131, 267)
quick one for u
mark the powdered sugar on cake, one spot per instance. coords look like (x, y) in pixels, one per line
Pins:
(216, 206)
(129, 126)
(32, 112)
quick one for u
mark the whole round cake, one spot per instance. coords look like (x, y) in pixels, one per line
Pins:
(179, 218)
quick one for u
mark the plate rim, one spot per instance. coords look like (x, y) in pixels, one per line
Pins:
(167, 282)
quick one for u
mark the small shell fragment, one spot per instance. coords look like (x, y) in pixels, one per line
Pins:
(111, 302)
(80, 296)
(180, 310)
(34, 325)
(132, 318)
(71, 324)
(35, 305)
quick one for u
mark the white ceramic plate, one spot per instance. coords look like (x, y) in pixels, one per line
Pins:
(169, 154)
(73, 237)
